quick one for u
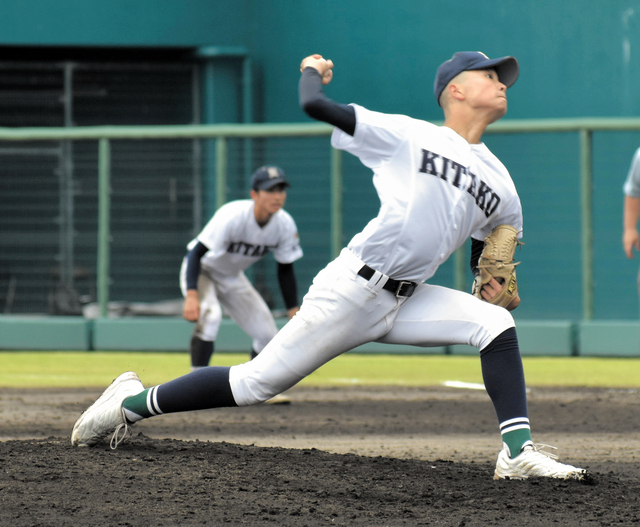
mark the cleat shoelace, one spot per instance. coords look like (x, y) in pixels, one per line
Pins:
(121, 433)
(540, 448)
(578, 474)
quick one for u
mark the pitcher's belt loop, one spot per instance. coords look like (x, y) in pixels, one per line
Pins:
(397, 287)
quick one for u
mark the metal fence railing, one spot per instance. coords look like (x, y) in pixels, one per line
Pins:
(220, 134)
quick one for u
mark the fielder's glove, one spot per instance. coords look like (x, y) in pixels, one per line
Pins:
(496, 261)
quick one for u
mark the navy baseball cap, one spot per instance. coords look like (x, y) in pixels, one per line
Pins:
(267, 177)
(506, 67)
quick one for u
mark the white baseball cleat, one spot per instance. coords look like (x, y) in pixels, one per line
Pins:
(534, 462)
(106, 415)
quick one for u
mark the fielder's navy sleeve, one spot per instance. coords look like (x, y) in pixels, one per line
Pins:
(287, 281)
(317, 106)
(193, 264)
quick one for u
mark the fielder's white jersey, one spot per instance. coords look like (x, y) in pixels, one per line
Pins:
(632, 184)
(235, 240)
(435, 191)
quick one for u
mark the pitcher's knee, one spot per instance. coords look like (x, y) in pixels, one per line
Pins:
(259, 380)
(247, 394)
(495, 321)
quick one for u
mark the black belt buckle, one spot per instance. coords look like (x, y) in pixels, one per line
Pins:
(405, 288)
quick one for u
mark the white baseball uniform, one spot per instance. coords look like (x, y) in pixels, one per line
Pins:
(631, 187)
(436, 190)
(235, 241)
(632, 183)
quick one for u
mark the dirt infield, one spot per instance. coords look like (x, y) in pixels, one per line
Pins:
(370, 457)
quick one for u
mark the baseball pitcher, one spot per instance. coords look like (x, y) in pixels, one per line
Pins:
(438, 186)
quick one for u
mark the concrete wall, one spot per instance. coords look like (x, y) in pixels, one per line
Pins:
(537, 338)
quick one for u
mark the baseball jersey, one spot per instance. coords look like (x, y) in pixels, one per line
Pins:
(632, 184)
(235, 240)
(435, 189)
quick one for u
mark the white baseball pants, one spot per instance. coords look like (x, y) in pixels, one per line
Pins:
(343, 310)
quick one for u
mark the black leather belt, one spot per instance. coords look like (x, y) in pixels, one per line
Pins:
(397, 287)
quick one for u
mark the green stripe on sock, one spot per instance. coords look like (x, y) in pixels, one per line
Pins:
(138, 404)
(516, 439)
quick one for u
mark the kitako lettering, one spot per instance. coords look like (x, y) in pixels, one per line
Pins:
(460, 177)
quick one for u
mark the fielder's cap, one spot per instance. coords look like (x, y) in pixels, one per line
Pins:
(267, 177)
(506, 67)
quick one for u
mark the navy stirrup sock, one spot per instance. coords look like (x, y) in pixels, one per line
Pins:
(201, 352)
(199, 390)
(504, 381)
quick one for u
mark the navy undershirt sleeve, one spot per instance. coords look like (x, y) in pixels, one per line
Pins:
(476, 252)
(317, 106)
(287, 281)
(193, 264)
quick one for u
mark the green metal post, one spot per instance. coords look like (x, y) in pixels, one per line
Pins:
(337, 234)
(208, 117)
(247, 91)
(459, 269)
(221, 172)
(104, 204)
(247, 116)
(586, 190)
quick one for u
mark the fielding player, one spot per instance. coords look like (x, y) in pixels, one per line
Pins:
(631, 210)
(438, 186)
(212, 275)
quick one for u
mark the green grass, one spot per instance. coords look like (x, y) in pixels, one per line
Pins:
(97, 369)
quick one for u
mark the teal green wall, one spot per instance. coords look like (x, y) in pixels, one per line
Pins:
(561, 338)
(124, 22)
(578, 58)
(571, 53)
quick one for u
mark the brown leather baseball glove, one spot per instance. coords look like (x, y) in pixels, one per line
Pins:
(496, 261)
